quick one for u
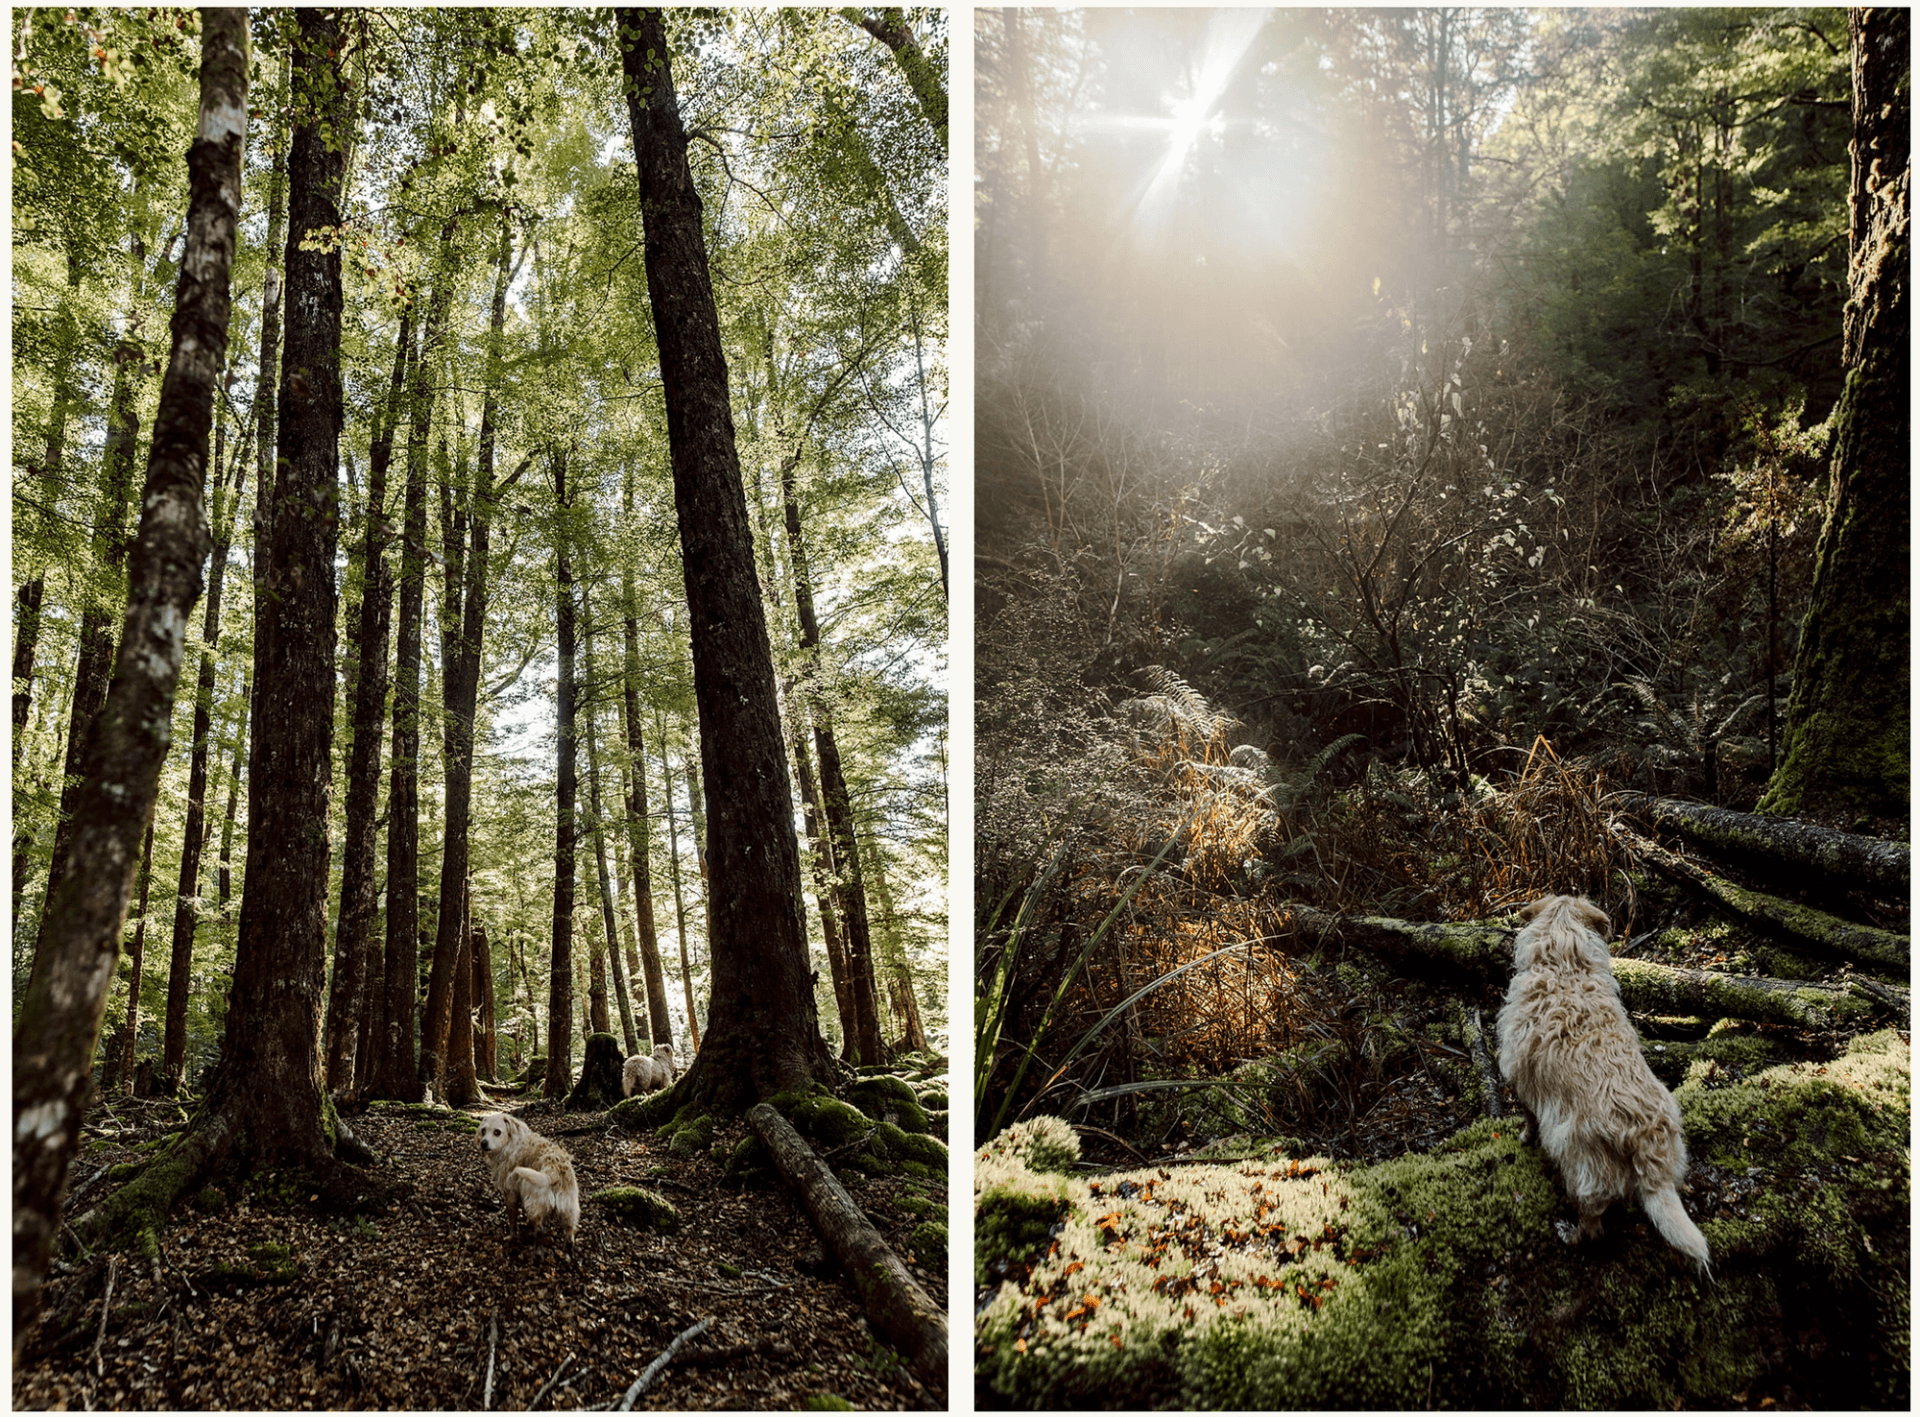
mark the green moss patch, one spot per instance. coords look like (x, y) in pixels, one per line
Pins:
(929, 1244)
(1439, 1280)
(688, 1138)
(889, 1097)
(639, 1207)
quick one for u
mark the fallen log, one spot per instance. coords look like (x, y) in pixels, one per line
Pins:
(899, 1309)
(1810, 852)
(1797, 925)
(1483, 950)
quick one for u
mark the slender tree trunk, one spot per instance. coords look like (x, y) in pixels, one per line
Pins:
(117, 1075)
(639, 824)
(487, 1046)
(233, 791)
(398, 1076)
(353, 973)
(1846, 744)
(463, 1088)
(94, 660)
(186, 909)
(833, 786)
(59, 1021)
(559, 1079)
(891, 29)
(679, 901)
(463, 622)
(824, 889)
(597, 1020)
(899, 969)
(925, 451)
(608, 917)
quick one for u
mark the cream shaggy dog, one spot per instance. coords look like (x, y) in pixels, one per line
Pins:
(644, 1074)
(1570, 1052)
(532, 1173)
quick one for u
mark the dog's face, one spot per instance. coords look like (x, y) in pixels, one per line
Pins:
(499, 1132)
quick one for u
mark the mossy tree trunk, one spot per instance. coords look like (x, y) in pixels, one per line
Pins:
(560, 978)
(599, 1085)
(763, 1034)
(120, 769)
(1846, 740)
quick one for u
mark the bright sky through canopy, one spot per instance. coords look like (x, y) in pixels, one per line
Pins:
(1229, 33)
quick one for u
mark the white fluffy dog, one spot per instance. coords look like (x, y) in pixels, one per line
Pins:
(533, 1174)
(1570, 1052)
(644, 1074)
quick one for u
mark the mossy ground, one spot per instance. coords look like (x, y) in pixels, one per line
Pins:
(1437, 1278)
(639, 1207)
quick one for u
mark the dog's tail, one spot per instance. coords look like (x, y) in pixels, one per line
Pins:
(536, 1191)
(1670, 1219)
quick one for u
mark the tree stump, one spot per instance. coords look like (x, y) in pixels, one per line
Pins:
(599, 1085)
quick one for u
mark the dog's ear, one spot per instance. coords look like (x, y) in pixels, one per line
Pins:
(1594, 916)
(1533, 907)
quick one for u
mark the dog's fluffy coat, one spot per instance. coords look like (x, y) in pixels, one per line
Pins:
(644, 1074)
(530, 1171)
(1570, 1052)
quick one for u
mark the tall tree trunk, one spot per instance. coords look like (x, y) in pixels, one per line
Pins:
(486, 1052)
(233, 789)
(559, 1079)
(893, 951)
(763, 1034)
(639, 824)
(463, 1087)
(117, 1075)
(679, 901)
(608, 917)
(1846, 744)
(353, 973)
(833, 786)
(463, 621)
(186, 909)
(59, 1021)
(398, 1076)
(94, 660)
(597, 1020)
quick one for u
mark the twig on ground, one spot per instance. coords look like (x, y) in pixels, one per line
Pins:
(106, 1307)
(849, 1147)
(712, 1357)
(493, 1345)
(654, 1369)
(550, 1382)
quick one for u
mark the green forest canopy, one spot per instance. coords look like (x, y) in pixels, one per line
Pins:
(825, 193)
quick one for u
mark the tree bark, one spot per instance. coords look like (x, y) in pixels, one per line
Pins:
(186, 910)
(59, 1021)
(233, 789)
(463, 620)
(559, 1077)
(639, 824)
(1846, 747)
(353, 974)
(117, 1074)
(398, 1076)
(1483, 950)
(609, 919)
(679, 902)
(825, 891)
(1794, 925)
(763, 1034)
(486, 1052)
(900, 994)
(1807, 853)
(899, 1309)
(462, 1086)
(837, 801)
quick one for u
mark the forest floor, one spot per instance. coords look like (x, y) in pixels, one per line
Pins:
(266, 1305)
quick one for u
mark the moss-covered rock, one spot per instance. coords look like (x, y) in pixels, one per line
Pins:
(897, 1144)
(1043, 1144)
(826, 1120)
(691, 1137)
(209, 1200)
(929, 1245)
(889, 1097)
(932, 1099)
(1438, 1280)
(646, 1112)
(639, 1207)
(748, 1160)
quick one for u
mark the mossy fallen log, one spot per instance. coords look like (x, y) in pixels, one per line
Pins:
(1438, 1281)
(901, 1311)
(1800, 847)
(1484, 950)
(1782, 920)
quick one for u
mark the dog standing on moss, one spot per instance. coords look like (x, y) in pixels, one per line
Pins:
(533, 1173)
(1570, 1052)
